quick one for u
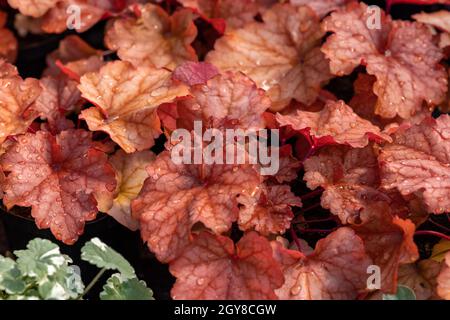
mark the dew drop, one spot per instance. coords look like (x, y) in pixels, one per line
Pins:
(295, 290)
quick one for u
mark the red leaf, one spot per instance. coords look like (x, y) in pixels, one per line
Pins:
(195, 73)
(418, 162)
(270, 212)
(281, 54)
(59, 177)
(336, 121)
(212, 268)
(336, 270)
(175, 197)
(439, 19)
(401, 54)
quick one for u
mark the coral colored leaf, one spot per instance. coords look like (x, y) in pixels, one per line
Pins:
(59, 177)
(440, 19)
(401, 54)
(336, 121)
(420, 277)
(194, 73)
(418, 162)
(154, 38)
(8, 42)
(229, 100)
(131, 174)
(17, 98)
(337, 269)
(321, 7)
(235, 13)
(177, 196)
(281, 54)
(32, 7)
(443, 280)
(212, 268)
(126, 99)
(271, 212)
(74, 57)
(388, 241)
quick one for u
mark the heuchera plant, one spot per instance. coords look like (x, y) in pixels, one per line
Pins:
(77, 142)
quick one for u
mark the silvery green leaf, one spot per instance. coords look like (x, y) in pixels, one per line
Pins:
(101, 255)
(42, 258)
(120, 288)
(11, 280)
(65, 284)
(403, 293)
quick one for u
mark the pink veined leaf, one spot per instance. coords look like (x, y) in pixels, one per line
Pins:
(126, 99)
(439, 19)
(59, 96)
(154, 38)
(281, 54)
(32, 7)
(212, 268)
(388, 240)
(59, 177)
(175, 197)
(321, 7)
(289, 166)
(337, 270)
(17, 98)
(364, 104)
(270, 212)
(8, 42)
(229, 100)
(131, 174)
(401, 54)
(418, 162)
(195, 73)
(350, 178)
(443, 280)
(337, 122)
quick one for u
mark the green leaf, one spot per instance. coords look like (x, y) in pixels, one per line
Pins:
(11, 280)
(403, 293)
(119, 288)
(99, 254)
(65, 284)
(42, 258)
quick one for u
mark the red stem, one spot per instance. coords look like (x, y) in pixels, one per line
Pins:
(318, 230)
(312, 194)
(432, 233)
(439, 225)
(296, 240)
